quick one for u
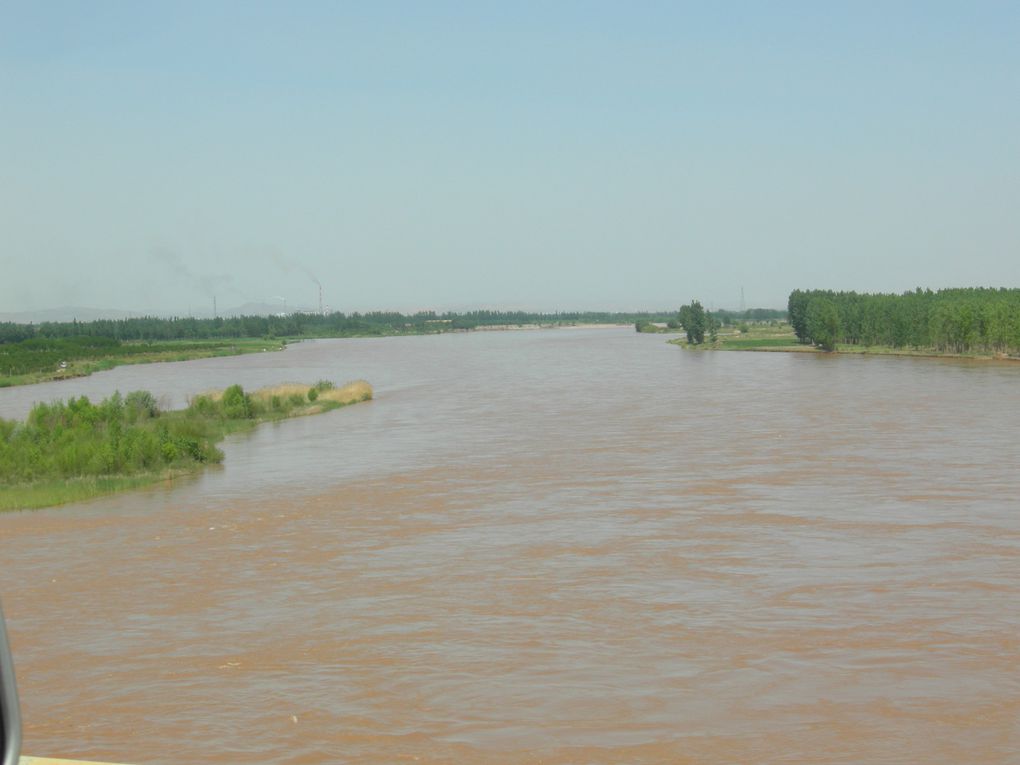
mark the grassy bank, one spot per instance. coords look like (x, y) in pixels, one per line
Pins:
(75, 450)
(43, 360)
(750, 337)
(52, 493)
(782, 339)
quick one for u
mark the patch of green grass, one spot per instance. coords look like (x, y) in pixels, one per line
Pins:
(39, 494)
(739, 343)
(751, 337)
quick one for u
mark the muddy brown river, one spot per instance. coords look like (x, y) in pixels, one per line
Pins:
(573, 546)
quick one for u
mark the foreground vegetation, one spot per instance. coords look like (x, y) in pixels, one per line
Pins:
(73, 450)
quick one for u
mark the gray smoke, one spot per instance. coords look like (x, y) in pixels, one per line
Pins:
(288, 265)
(208, 284)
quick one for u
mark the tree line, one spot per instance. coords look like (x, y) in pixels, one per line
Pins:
(335, 324)
(959, 320)
(33, 348)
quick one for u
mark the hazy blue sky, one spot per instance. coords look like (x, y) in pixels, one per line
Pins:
(507, 154)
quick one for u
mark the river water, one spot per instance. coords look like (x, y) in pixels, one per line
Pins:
(572, 546)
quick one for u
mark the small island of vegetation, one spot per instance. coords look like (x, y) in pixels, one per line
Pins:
(74, 450)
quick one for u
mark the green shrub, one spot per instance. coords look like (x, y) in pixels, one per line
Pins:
(203, 406)
(236, 405)
(140, 404)
(121, 437)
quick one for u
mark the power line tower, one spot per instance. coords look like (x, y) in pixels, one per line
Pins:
(743, 307)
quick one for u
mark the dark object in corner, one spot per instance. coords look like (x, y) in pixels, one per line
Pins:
(10, 716)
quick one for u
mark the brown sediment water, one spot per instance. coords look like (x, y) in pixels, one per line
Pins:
(543, 547)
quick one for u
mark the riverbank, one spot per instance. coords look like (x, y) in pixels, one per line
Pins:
(883, 351)
(75, 450)
(764, 339)
(39, 360)
(752, 337)
(66, 361)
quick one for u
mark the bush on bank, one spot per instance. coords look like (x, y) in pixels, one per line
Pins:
(131, 435)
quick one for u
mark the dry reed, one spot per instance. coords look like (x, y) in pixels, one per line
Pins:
(359, 390)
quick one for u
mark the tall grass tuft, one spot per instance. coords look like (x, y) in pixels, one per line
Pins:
(351, 393)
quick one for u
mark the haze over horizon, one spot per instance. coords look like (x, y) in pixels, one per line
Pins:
(440, 156)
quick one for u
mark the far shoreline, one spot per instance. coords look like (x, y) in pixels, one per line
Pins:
(884, 351)
(530, 327)
(871, 350)
(170, 351)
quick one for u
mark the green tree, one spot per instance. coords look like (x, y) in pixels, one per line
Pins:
(236, 405)
(692, 318)
(712, 324)
(823, 322)
(797, 310)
